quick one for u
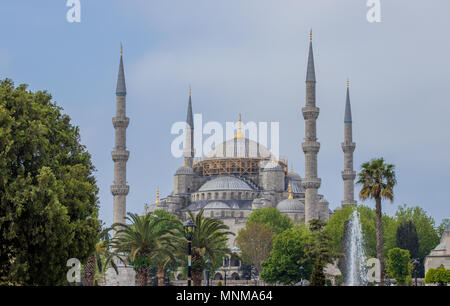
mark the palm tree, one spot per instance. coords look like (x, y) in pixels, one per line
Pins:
(100, 260)
(378, 180)
(144, 242)
(209, 241)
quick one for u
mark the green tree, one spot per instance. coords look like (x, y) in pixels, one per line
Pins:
(378, 180)
(319, 250)
(407, 238)
(255, 242)
(167, 222)
(445, 225)
(335, 229)
(272, 217)
(425, 227)
(209, 241)
(399, 265)
(283, 264)
(100, 260)
(440, 276)
(48, 194)
(143, 240)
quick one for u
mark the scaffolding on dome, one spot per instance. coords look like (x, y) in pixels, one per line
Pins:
(232, 166)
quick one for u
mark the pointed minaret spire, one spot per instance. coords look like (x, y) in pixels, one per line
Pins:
(348, 146)
(290, 192)
(120, 154)
(311, 72)
(311, 182)
(157, 196)
(189, 141)
(348, 109)
(121, 88)
(239, 133)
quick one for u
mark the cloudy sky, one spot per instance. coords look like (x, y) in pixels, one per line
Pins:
(249, 57)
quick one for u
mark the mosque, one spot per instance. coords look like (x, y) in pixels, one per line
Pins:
(239, 175)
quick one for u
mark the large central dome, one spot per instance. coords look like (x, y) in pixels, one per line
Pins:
(225, 183)
(239, 148)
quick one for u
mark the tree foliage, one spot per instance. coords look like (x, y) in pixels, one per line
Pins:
(144, 241)
(335, 229)
(255, 241)
(426, 232)
(48, 194)
(399, 265)
(209, 241)
(378, 180)
(283, 264)
(319, 251)
(440, 276)
(273, 218)
(445, 225)
(407, 238)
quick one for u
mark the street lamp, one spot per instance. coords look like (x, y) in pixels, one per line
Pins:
(415, 263)
(301, 275)
(207, 271)
(189, 225)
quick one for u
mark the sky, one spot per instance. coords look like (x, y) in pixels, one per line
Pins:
(249, 57)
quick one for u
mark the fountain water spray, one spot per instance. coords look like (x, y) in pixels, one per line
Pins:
(355, 254)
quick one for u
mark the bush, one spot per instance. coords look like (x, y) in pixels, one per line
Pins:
(440, 276)
(399, 266)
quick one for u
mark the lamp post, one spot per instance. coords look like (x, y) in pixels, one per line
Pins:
(207, 271)
(189, 225)
(415, 263)
(301, 275)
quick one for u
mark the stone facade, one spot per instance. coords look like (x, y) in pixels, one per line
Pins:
(440, 255)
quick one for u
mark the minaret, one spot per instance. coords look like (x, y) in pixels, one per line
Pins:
(348, 146)
(188, 151)
(120, 155)
(311, 182)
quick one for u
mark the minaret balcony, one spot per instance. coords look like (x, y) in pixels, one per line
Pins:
(310, 112)
(311, 146)
(348, 175)
(120, 190)
(311, 183)
(348, 147)
(349, 203)
(120, 155)
(121, 122)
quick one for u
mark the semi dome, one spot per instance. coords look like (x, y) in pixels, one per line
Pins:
(291, 205)
(294, 176)
(296, 186)
(225, 183)
(216, 205)
(239, 148)
(184, 170)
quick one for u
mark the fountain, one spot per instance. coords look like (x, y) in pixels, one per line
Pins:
(354, 253)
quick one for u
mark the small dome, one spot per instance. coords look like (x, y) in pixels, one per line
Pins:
(216, 205)
(272, 166)
(294, 176)
(225, 183)
(184, 170)
(291, 205)
(323, 201)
